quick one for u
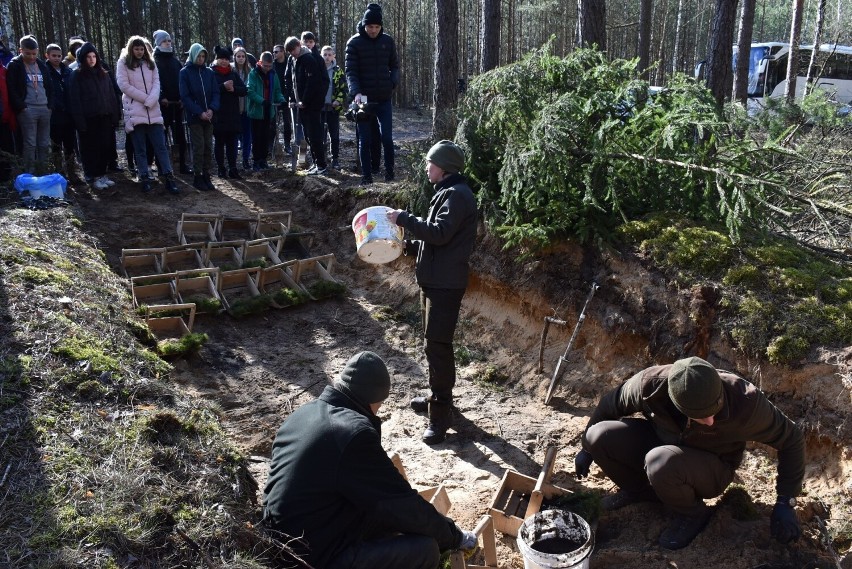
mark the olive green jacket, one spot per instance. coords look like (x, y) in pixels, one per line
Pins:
(747, 415)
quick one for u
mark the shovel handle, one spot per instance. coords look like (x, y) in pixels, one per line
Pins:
(537, 496)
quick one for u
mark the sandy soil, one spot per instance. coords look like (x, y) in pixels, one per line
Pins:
(258, 369)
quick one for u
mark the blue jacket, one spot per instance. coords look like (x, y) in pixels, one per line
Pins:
(199, 90)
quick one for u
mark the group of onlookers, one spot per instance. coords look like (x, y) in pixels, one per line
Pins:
(226, 100)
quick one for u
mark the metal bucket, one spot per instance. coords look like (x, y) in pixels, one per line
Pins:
(555, 539)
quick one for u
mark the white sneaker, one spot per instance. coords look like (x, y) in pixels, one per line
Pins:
(100, 184)
(107, 181)
(311, 171)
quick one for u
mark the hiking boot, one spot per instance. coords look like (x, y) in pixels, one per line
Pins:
(171, 183)
(99, 183)
(312, 170)
(199, 183)
(419, 404)
(335, 164)
(222, 173)
(683, 529)
(622, 498)
(209, 182)
(146, 186)
(107, 181)
(114, 167)
(440, 419)
(234, 174)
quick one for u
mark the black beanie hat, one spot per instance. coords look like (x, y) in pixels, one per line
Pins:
(223, 52)
(373, 15)
(447, 156)
(365, 378)
(695, 388)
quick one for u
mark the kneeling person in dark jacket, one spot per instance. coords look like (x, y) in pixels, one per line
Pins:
(688, 444)
(332, 483)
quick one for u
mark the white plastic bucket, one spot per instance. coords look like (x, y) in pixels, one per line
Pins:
(555, 539)
(378, 240)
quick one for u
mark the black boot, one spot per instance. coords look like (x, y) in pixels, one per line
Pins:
(440, 419)
(234, 174)
(209, 182)
(199, 183)
(222, 172)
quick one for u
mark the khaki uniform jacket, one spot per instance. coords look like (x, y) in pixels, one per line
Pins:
(747, 415)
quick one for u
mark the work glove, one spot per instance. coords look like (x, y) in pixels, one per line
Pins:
(783, 524)
(582, 462)
(468, 541)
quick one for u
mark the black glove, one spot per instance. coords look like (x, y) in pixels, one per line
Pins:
(783, 524)
(582, 462)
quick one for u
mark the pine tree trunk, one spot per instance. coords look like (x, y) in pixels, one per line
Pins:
(740, 92)
(645, 10)
(676, 49)
(6, 25)
(446, 75)
(820, 18)
(335, 26)
(720, 51)
(793, 61)
(489, 35)
(591, 15)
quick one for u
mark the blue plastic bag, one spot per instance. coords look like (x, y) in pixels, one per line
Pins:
(51, 186)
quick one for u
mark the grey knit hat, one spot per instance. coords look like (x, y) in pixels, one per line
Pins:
(695, 388)
(365, 378)
(447, 156)
(159, 37)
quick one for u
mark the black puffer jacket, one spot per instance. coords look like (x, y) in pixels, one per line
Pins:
(372, 66)
(60, 79)
(445, 239)
(169, 68)
(329, 473)
(310, 80)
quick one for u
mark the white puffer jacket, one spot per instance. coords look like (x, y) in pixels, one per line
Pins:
(141, 98)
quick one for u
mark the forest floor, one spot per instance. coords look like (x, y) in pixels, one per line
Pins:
(258, 369)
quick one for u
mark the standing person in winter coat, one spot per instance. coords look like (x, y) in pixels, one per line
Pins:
(199, 94)
(310, 83)
(372, 72)
(139, 81)
(95, 110)
(443, 244)
(335, 102)
(280, 67)
(168, 66)
(333, 485)
(688, 443)
(31, 98)
(242, 68)
(62, 132)
(238, 42)
(264, 96)
(226, 123)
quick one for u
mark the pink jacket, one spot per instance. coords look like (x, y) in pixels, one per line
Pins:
(141, 98)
